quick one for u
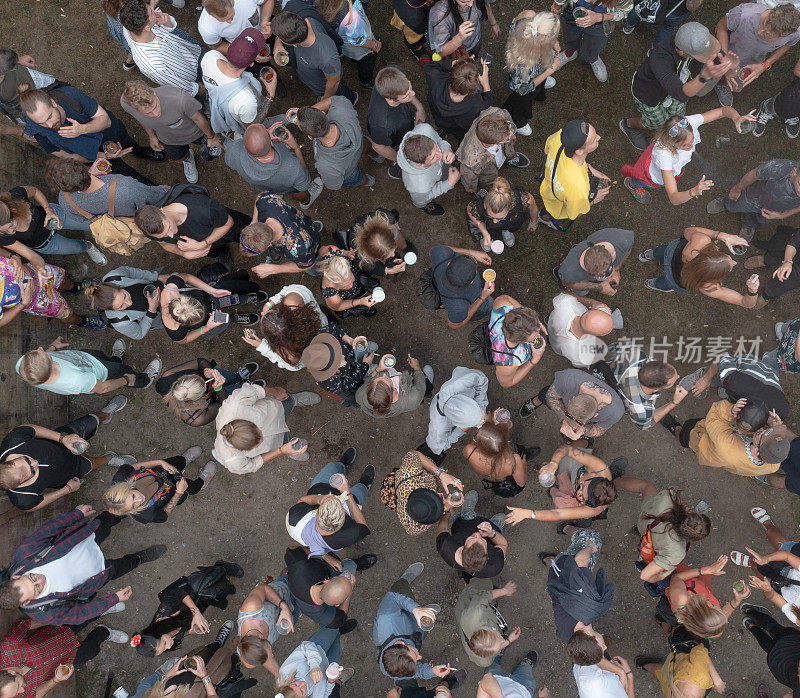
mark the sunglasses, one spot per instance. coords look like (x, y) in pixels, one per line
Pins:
(683, 123)
(249, 249)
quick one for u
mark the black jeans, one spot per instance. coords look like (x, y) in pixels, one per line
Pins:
(774, 251)
(120, 566)
(520, 107)
(366, 68)
(194, 485)
(766, 630)
(117, 369)
(240, 222)
(787, 102)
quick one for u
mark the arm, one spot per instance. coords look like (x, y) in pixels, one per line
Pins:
(509, 376)
(723, 33)
(24, 251)
(554, 401)
(100, 122)
(748, 179)
(53, 496)
(444, 523)
(109, 386)
(654, 573)
(331, 85)
(220, 232)
(473, 308)
(202, 123)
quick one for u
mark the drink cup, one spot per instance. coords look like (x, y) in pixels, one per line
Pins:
(103, 166)
(280, 133)
(80, 447)
(389, 360)
(489, 275)
(264, 52)
(738, 586)
(739, 249)
(190, 663)
(337, 481)
(267, 74)
(120, 693)
(150, 290)
(537, 343)
(547, 478)
(300, 443)
(360, 344)
(284, 626)
(333, 672)
(64, 671)
(503, 415)
(579, 12)
(410, 258)
(744, 73)
(497, 246)
(455, 495)
(111, 148)
(52, 224)
(281, 58)
(746, 127)
(426, 623)
(378, 294)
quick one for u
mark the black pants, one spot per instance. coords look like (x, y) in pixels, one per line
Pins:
(366, 68)
(766, 630)
(90, 646)
(774, 251)
(521, 106)
(237, 282)
(240, 222)
(117, 369)
(425, 450)
(428, 387)
(787, 102)
(686, 430)
(194, 485)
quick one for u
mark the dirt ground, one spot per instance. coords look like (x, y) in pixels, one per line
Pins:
(241, 517)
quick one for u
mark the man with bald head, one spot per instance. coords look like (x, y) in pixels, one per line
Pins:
(574, 327)
(271, 164)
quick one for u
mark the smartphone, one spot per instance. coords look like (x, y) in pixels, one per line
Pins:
(219, 316)
(249, 333)
(227, 301)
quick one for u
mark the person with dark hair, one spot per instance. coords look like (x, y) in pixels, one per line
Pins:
(785, 105)
(34, 459)
(333, 363)
(58, 570)
(515, 338)
(17, 70)
(390, 392)
(667, 526)
(781, 644)
(458, 95)
(570, 186)
(596, 676)
(779, 252)
(583, 489)
(594, 263)
(454, 26)
(181, 607)
(426, 161)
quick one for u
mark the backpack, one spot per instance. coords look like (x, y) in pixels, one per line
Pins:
(480, 343)
(427, 292)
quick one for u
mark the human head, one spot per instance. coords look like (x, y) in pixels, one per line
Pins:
(400, 660)
(9, 59)
(289, 329)
(331, 516)
(186, 310)
(585, 647)
(253, 650)
(35, 366)
(773, 443)
(597, 322)
(682, 519)
(151, 221)
(461, 271)
(222, 10)
(244, 48)
(753, 416)
(241, 434)
(336, 590)
(782, 20)
(21, 589)
(153, 643)
(255, 239)
(374, 239)
(12, 212)
(579, 410)
(598, 262)
(380, 394)
(12, 683)
(323, 356)
(40, 108)
(142, 97)
(425, 506)
(421, 150)
(335, 269)
(103, 295)
(123, 498)
(675, 134)
(187, 393)
(290, 28)
(257, 140)
(63, 174)
(14, 471)
(136, 16)
(392, 84)
(604, 492)
(313, 122)
(474, 555)
(499, 198)
(464, 77)
(700, 618)
(532, 41)
(694, 40)
(657, 375)
(486, 642)
(574, 136)
(491, 441)
(706, 269)
(521, 325)
(493, 129)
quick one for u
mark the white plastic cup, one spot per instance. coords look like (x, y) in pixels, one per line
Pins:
(337, 481)
(410, 258)
(547, 479)
(120, 693)
(333, 672)
(378, 294)
(283, 626)
(497, 246)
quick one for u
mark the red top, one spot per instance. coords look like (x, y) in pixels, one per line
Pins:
(698, 585)
(42, 650)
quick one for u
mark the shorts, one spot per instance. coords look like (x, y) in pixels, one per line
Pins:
(654, 117)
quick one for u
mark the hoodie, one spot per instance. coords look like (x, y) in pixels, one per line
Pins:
(424, 183)
(336, 162)
(478, 166)
(395, 621)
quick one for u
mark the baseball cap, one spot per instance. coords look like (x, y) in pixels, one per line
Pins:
(693, 38)
(774, 448)
(245, 47)
(574, 135)
(461, 271)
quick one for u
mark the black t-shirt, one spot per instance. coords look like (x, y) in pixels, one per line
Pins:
(138, 299)
(57, 464)
(677, 260)
(304, 573)
(203, 215)
(453, 117)
(664, 72)
(36, 235)
(387, 125)
(783, 660)
(165, 484)
(448, 543)
(349, 534)
(197, 294)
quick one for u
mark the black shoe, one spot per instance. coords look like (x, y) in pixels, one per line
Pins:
(670, 423)
(247, 319)
(544, 556)
(79, 286)
(433, 209)
(531, 658)
(152, 553)
(255, 297)
(638, 138)
(231, 568)
(528, 408)
(348, 456)
(368, 476)
(618, 466)
(348, 626)
(148, 153)
(642, 659)
(369, 312)
(364, 562)
(558, 280)
(224, 632)
(531, 452)
(455, 678)
(247, 370)
(753, 609)
(395, 172)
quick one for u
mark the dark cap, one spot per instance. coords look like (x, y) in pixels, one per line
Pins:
(752, 416)
(245, 47)
(425, 506)
(573, 136)
(461, 271)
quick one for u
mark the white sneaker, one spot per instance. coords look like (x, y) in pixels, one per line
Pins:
(550, 82)
(306, 398)
(153, 370)
(118, 348)
(190, 168)
(117, 461)
(428, 371)
(114, 405)
(526, 130)
(314, 190)
(118, 607)
(116, 635)
(599, 69)
(96, 255)
(563, 59)
(508, 238)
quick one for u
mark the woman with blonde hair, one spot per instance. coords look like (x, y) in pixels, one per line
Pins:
(345, 290)
(501, 213)
(695, 263)
(350, 21)
(149, 491)
(531, 59)
(303, 674)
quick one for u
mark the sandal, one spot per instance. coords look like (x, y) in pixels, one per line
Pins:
(739, 558)
(760, 515)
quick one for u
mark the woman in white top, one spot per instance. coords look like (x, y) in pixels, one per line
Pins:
(289, 321)
(662, 163)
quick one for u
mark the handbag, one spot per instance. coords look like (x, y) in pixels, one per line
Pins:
(119, 235)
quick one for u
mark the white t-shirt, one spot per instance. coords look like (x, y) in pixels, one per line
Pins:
(246, 14)
(497, 153)
(581, 352)
(242, 106)
(791, 594)
(84, 561)
(662, 159)
(594, 682)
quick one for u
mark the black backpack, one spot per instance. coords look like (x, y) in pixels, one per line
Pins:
(427, 292)
(480, 344)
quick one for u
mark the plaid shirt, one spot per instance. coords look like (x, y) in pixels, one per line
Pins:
(625, 363)
(63, 533)
(42, 650)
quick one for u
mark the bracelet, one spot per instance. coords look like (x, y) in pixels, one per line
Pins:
(216, 390)
(61, 436)
(788, 261)
(269, 305)
(439, 470)
(201, 330)
(750, 293)
(206, 681)
(533, 514)
(700, 571)
(767, 65)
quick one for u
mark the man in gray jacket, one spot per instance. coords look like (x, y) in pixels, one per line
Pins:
(426, 162)
(133, 313)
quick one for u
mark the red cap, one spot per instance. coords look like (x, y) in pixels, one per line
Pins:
(245, 47)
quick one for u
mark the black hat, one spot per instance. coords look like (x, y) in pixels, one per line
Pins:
(573, 136)
(460, 273)
(752, 416)
(425, 506)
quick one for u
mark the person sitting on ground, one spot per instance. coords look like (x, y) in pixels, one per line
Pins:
(588, 406)
(271, 164)
(252, 430)
(486, 147)
(570, 185)
(347, 292)
(65, 552)
(426, 161)
(594, 264)
(390, 392)
(484, 632)
(784, 105)
(515, 338)
(667, 525)
(378, 242)
(502, 463)
(463, 292)
(394, 110)
(779, 252)
(596, 676)
(454, 28)
(148, 491)
(579, 591)
(458, 95)
(786, 356)
(304, 672)
(500, 213)
(473, 545)
(333, 363)
(34, 459)
(575, 326)
(289, 237)
(72, 372)
(289, 321)
(583, 489)
(520, 682)
(664, 160)
(398, 631)
(181, 607)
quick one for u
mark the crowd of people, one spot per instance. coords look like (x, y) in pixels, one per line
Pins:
(213, 97)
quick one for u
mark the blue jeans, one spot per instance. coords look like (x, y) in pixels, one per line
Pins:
(68, 221)
(522, 674)
(329, 640)
(359, 490)
(666, 28)
(771, 359)
(232, 380)
(666, 253)
(641, 183)
(353, 179)
(750, 213)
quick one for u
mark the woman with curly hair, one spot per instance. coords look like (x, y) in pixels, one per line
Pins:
(517, 341)
(289, 321)
(531, 59)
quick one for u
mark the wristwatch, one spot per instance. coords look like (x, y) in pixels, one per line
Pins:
(702, 79)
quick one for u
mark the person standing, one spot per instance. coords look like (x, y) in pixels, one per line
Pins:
(464, 293)
(221, 21)
(458, 95)
(575, 326)
(594, 264)
(785, 105)
(426, 162)
(16, 69)
(596, 676)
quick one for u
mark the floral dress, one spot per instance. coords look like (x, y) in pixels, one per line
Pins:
(357, 290)
(300, 242)
(46, 301)
(788, 346)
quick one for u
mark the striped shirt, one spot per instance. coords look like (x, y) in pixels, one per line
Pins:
(168, 59)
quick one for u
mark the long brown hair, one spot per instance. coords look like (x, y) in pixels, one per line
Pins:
(682, 519)
(708, 268)
(113, 7)
(491, 442)
(289, 329)
(329, 8)
(12, 209)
